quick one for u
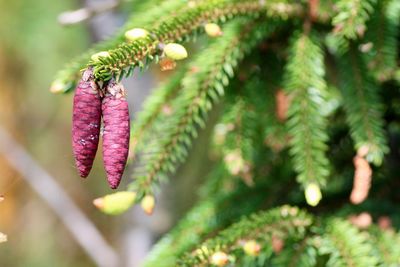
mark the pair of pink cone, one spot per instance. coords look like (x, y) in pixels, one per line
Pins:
(90, 104)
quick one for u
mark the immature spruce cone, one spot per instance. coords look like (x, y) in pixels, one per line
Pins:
(116, 132)
(86, 121)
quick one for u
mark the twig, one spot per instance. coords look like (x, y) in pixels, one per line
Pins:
(81, 228)
(77, 16)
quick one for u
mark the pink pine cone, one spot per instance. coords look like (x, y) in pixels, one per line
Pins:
(86, 121)
(116, 132)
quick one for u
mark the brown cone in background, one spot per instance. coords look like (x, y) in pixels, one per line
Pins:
(362, 180)
(282, 105)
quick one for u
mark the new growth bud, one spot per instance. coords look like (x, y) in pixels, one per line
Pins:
(116, 203)
(148, 203)
(213, 30)
(252, 248)
(59, 87)
(313, 194)
(219, 259)
(95, 57)
(175, 51)
(135, 34)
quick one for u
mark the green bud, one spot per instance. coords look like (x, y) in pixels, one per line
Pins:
(59, 87)
(212, 30)
(117, 203)
(95, 57)
(252, 248)
(135, 34)
(148, 203)
(175, 51)
(313, 194)
(219, 259)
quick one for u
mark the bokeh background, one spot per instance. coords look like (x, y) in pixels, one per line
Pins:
(33, 47)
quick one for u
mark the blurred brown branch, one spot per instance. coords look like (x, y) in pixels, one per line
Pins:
(77, 16)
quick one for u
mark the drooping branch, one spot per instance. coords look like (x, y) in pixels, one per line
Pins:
(180, 27)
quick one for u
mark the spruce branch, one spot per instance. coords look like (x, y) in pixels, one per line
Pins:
(146, 14)
(218, 208)
(184, 20)
(200, 89)
(352, 15)
(183, 236)
(297, 254)
(363, 107)
(203, 219)
(241, 135)
(387, 245)
(229, 227)
(238, 146)
(284, 222)
(349, 23)
(223, 201)
(179, 27)
(155, 105)
(381, 40)
(346, 245)
(273, 102)
(307, 122)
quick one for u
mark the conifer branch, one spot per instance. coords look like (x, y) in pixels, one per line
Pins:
(363, 107)
(307, 122)
(346, 246)
(238, 141)
(200, 90)
(201, 220)
(153, 108)
(127, 56)
(183, 236)
(227, 227)
(352, 15)
(381, 40)
(274, 103)
(387, 245)
(284, 221)
(244, 132)
(219, 210)
(349, 23)
(297, 254)
(146, 14)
